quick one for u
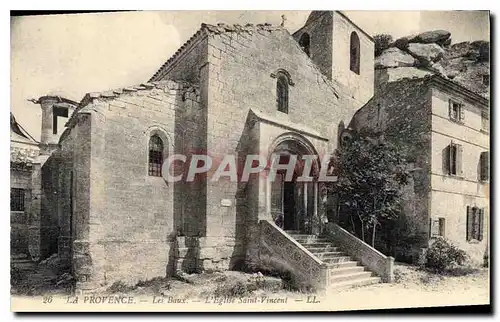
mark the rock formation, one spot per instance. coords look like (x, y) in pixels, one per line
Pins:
(431, 52)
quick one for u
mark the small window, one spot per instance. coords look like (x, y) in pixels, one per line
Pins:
(304, 43)
(354, 53)
(486, 79)
(282, 93)
(155, 156)
(437, 228)
(57, 112)
(453, 159)
(485, 122)
(456, 111)
(16, 199)
(484, 166)
(475, 223)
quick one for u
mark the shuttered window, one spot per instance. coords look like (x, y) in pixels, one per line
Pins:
(475, 223)
(453, 159)
(437, 227)
(456, 111)
(485, 122)
(484, 166)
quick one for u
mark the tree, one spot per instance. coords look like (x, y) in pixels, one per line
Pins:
(381, 43)
(370, 177)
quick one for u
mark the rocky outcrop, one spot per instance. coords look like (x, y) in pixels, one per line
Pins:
(430, 37)
(427, 54)
(431, 52)
(394, 57)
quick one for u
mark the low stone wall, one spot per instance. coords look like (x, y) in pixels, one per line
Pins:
(283, 253)
(195, 254)
(368, 256)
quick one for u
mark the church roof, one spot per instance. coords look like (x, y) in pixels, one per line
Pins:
(18, 133)
(24, 148)
(215, 29)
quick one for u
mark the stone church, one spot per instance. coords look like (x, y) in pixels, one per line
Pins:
(100, 200)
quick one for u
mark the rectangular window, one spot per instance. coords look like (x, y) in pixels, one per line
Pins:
(484, 166)
(437, 228)
(16, 199)
(453, 156)
(485, 121)
(475, 223)
(456, 111)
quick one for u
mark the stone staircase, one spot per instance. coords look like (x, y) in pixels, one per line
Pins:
(344, 272)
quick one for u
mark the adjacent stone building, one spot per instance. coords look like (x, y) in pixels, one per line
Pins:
(229, 90)
(444, 129)
(23, 151)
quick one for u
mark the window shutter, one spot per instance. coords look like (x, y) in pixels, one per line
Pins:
(446, 161)
(481, 225)
(450, 109)
(442, 222)
(469, 223)
(462, 112)
(460, 150)
(484, 166)
(434, 227)
(450, 157)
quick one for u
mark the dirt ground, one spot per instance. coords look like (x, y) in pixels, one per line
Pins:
(412, 288)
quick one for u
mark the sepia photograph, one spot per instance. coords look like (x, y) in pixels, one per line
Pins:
(249, 161)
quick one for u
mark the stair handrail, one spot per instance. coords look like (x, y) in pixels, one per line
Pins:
(306, 265)
(370, 257)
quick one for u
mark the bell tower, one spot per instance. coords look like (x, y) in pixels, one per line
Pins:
(55, 113)
(342, 51)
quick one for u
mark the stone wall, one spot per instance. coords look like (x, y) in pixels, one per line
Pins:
(239, 78)
(401, 113)
(19, 220)
(123, 225)
(356, 89)
(452, 194)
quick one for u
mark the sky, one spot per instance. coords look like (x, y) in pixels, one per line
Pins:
(71, 55)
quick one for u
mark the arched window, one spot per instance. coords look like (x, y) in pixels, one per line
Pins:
(282, 93)
(304, 43)
(155, 156)
(354, 53)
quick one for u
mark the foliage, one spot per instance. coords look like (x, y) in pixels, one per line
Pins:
(442, 256)
(399, 237)
(382, 42)
(120, 287)
(370, 177)
(483, 49)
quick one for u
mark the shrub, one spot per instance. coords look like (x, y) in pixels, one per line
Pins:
(120, 287)
(382, 42)
(442, 255)
(237, 289)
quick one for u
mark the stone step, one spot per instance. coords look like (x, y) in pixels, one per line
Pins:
(317, 244)
(315, 249)
(292, 232)
(349, 277)
(355, 283)
(346, 270)
(336, 259)
(312, 240)
(351, 263)
(325, 255)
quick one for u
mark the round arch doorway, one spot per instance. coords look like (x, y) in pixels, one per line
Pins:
(293, 202)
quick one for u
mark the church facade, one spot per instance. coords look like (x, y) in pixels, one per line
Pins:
(229, 90)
